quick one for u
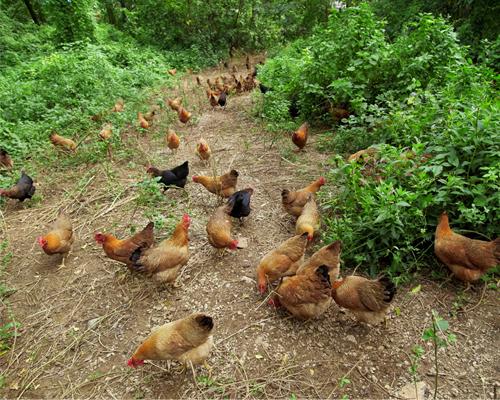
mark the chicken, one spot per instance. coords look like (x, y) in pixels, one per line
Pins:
(152, 112)
(213, 100)
(219, 229)
(165, 260)
(60, 238)
(188, 340)
(282, 261)
(307, 295)
(22, 190)
(175, 104)
(142, 121)
(184, 115)
(309, 220)
(366, 155)
(203, 150)
(367, 299)
(5, 160)
(294, 202)
(119, 106)
(121, 250)
(172, 140)
(171, 177)
(172, 71)
(299, 137)
(222, 99)
(240, 203)
(328, 255)
(224, 185)
(467, 258)
(106, 132)
(65, 143)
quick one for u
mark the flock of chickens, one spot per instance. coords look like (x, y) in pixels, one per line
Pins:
(304, 287)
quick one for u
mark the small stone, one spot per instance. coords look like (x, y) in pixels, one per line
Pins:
(351, 338)
(408, 391)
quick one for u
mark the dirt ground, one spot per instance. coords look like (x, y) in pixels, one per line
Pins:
(80, 323)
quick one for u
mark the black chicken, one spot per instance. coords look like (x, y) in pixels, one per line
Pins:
(172, 177)
(240, 203)
(222, 99)
(22, 190)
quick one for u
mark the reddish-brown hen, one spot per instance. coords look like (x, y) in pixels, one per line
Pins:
(294, 202)
(299, 137)
(467, 258)
(329, 256)
(224, 185)
(59, 239)
(219, 229)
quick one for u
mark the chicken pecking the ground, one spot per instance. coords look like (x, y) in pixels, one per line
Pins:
(467, 258)
(282, 261)
(121, 250)
(309, 220)
(171, 177)
(219, 229)
(188, 340)
(60, 238)
(164, 261)
(307, 295)
(172, 140)
(299, 137)
(61, 141)
(367, 299)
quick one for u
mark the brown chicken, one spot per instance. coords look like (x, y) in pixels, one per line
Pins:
(224, 185)
(366, 155)
(367, 299)
(188, 340)
(299, 137)
(203, 150)
(165, 260)
(121, 250)
(467, 258)
(106, 132)
(294, 202)
(307, 295)
(175, 104)
(309, 220)
(5, 160)
(282, 261)
(213, 100)
(119, 106)
(172, 71)
(22, 190)
(172, 140)
(219, 229)
(184, 115)
(65, 143)
(142, 121)
(60, 238)
(155, 110)
(328, 255)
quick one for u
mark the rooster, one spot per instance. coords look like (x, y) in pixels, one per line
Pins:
(188, 340)
(467, 258)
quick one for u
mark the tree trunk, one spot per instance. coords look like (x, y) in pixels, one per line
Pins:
(32, 12)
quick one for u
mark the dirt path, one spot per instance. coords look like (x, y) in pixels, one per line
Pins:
(81, 323)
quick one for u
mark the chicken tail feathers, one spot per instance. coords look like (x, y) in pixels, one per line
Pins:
(135, 258)
(205, 322)
(322, 272)
(389, 288)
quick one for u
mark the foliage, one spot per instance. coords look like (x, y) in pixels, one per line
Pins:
(473, 20)
(72, 19)
(433, 115)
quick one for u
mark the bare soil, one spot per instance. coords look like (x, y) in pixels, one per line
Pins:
(80, 323)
